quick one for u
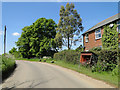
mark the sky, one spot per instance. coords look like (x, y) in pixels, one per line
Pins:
(17, 15)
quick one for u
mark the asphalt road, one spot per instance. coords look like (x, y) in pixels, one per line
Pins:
(44, 75)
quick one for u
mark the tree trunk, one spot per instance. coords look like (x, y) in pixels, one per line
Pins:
(68, 43)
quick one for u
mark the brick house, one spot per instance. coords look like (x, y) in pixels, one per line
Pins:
(92, 37)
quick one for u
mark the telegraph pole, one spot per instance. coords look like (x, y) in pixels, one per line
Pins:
(4, 40)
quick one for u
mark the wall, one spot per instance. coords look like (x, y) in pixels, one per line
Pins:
(92, 42)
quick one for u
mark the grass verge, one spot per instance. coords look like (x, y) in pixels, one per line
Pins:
(104, 76)
(7, 66)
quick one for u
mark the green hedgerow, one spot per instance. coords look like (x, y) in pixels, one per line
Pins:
(107, 61)
(70, 56)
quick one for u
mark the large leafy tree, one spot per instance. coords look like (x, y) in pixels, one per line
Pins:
(69, 26)
(110, 37)
(37, 39)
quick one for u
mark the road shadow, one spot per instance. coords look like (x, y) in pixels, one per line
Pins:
(7, 74)
(32, 84)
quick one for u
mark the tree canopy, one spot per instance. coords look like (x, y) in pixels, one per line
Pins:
(110, 37)
(69, 26)
(37, 39)
(13, 50)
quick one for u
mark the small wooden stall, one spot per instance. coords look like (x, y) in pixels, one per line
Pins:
(88, 58)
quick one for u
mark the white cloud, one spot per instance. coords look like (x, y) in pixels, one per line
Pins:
(15, 34)
(1, 32)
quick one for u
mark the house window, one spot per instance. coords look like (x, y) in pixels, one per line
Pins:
(98, 34)
(86, 37)
(118, 28)
(119, 45)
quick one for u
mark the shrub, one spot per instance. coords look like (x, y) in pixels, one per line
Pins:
(96, 49)
(115, 71)
(7, 65)
(60, 55)
(70, 56)
(107, 61)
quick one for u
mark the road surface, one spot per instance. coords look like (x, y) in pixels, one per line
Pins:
(43, 75)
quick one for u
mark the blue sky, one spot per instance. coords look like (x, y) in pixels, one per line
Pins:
(20, 14)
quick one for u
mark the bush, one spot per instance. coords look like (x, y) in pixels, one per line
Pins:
(96, 49)
(115, 71)
(70, 56)
(107, 61)
(60, 55)
(7, 65)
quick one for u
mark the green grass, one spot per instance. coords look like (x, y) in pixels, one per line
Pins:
(6, 65)
(33, 59)
(104, 76)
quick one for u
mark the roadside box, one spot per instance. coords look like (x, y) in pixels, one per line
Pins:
(88, 58)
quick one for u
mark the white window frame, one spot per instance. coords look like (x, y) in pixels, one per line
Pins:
(118, 25)
(87, 37)
(97, 33)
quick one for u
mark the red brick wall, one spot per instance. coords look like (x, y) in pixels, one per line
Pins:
(92, 42)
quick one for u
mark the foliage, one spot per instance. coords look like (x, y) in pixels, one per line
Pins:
(115, 71)
(80, 48)
(96, 49)
(69, 56)
(69, 26)
(107, 61)
(7, 65)
(110, 37)
(37, 40)
(14, 52)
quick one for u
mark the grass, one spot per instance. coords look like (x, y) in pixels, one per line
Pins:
(7, 65)
(33, 59)
(104, 76)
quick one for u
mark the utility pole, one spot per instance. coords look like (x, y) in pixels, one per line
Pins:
(4, 40)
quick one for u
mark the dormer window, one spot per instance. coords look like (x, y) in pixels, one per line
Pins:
(98, 33)
(86, 37)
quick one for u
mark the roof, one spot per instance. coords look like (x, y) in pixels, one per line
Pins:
(88, 52)
(104, 22)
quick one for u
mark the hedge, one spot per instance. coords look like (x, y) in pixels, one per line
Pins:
(7, 66)
(70, 56)
(107, 60)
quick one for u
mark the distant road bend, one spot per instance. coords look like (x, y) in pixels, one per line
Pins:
(43, 75)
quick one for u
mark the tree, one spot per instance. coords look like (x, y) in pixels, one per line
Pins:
(80, 48)
(69, 26)
(110, 37)
(37, 39)
(14, 52)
